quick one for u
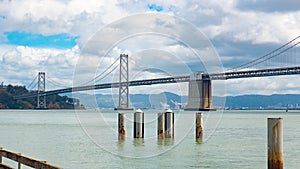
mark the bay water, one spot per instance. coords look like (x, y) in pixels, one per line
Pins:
(88, 139)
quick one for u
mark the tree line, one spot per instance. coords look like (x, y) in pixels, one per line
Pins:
(53, 102)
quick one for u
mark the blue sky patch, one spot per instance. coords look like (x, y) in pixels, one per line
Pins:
(154, 7)
(60, 41)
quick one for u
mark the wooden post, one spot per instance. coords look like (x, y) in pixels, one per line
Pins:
(19, 163)
(169, 124)
(1, 156)
(275, 143)
(161, 125)
(23, 160)
(199, 127)
(138, 124)
(121, 126)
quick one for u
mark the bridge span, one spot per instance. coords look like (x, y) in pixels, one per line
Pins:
(200, 90)
(198, 77)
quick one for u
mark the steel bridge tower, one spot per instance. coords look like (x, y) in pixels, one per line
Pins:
(123, 84)
(41, 99)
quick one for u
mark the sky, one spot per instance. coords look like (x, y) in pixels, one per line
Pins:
(56, 36)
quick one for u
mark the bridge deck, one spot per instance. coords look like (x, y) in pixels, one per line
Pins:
(253, 73)
(178, 79)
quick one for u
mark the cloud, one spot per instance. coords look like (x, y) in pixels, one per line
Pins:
(75, 17)
(239, 30)
(263, 85)
(20, 64)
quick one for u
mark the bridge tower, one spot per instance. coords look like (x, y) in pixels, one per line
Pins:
(200, 93)
(123, 84)
(41, 99)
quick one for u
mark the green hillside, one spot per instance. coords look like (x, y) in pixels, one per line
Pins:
(53, 102)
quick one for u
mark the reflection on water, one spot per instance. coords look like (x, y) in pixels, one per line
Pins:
(138, 142)
(165, 142)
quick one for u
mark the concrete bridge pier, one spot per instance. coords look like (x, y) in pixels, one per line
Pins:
(200, 94)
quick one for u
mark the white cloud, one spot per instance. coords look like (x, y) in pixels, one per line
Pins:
(263, 85)
(76, 17)
(21, 64)
(255, 26)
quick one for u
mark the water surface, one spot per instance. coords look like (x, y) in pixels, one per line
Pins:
(239, 141)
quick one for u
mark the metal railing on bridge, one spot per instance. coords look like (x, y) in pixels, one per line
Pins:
(252, 73)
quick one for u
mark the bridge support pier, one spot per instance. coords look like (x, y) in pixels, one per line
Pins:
(200, 95)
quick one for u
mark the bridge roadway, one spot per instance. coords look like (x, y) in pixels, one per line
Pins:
(177, 79)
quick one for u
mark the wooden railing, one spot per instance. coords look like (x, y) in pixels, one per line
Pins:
(23, 160)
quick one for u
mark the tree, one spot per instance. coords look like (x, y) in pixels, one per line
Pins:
(54, 101)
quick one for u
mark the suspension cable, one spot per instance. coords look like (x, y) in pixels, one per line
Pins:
(251, 63)
(35, 84)
(29, 86)
(144, 70)
(274, 55)
(108, 73)
(98, 76)
(55, 83)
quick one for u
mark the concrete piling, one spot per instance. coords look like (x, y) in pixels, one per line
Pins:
(169, 124)
(138, 124)
(199, 127)
(161, 125)
(121, 126)
(275, 143)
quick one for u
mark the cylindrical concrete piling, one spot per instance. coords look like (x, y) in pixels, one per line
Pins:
(199, 127)
(121, 126)
(169, 124)
(161, 125)
(275, 143)
(138, 124)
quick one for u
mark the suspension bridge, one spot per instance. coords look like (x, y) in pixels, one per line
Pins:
(278, 62)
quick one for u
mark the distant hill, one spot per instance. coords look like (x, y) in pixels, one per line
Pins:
(142, 100)
(137, 100)
(276, 101)
(53, 102)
